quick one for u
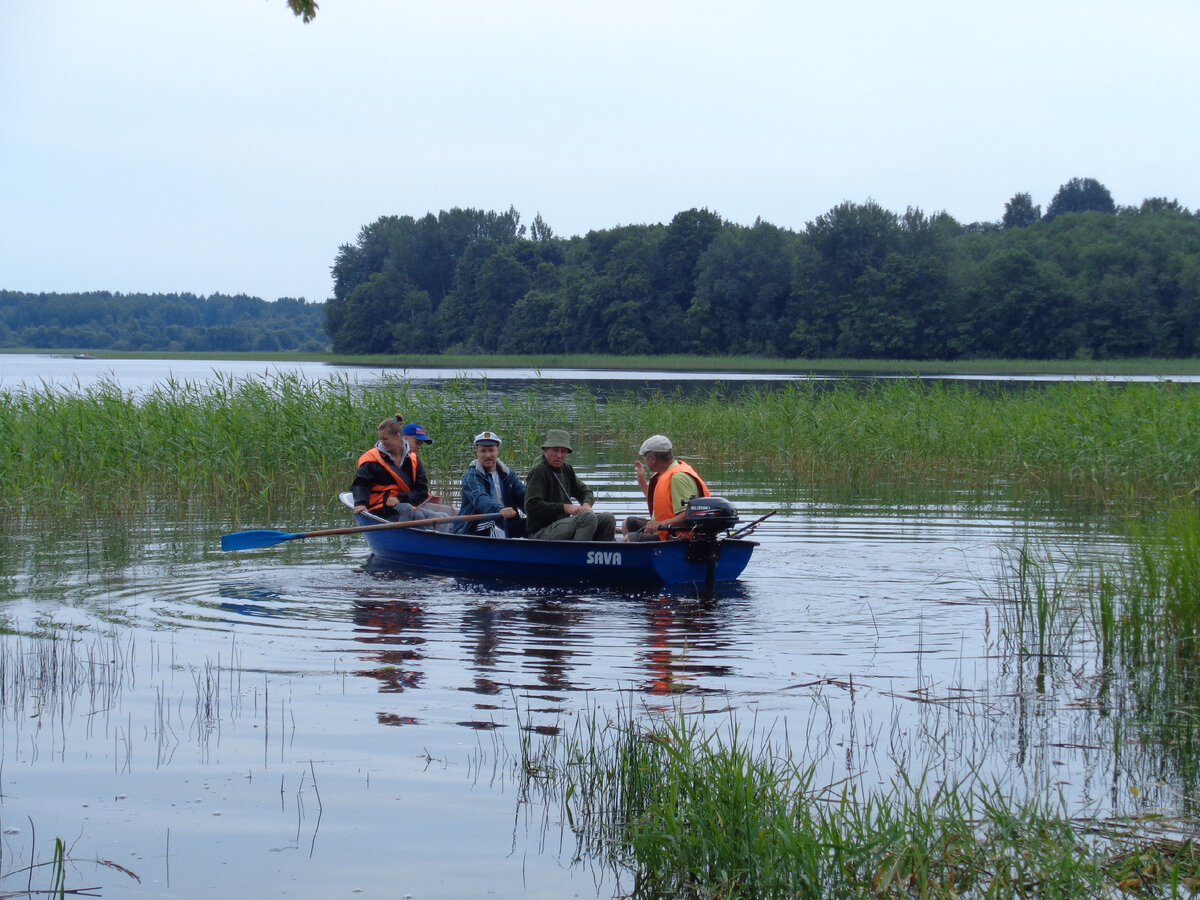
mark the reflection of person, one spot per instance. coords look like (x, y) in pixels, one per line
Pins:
(390, 481)
(398, 630)
(558, 504)
(489, 486)
(667, 492)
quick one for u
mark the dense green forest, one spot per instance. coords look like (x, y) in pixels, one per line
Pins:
(1087, 280)
(101, 320)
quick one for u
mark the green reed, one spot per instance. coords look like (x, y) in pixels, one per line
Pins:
(264, 443)
(56, 867)
(690, 814)
(1040, 603)
(1139, 606)
(1145, 614)
(1095, 441)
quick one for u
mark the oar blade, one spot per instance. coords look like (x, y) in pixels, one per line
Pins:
(248, 540)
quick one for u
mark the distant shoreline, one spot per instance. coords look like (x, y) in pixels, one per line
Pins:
(1164, 367)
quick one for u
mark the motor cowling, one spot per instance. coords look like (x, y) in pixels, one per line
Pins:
(709, 516)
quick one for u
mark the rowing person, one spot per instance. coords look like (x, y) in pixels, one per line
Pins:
(670, 487)
(489, 486)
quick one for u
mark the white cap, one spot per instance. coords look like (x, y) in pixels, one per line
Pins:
(656, 443)
(488, 437)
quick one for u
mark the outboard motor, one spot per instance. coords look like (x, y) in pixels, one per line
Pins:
(709, 516)
(706, 519)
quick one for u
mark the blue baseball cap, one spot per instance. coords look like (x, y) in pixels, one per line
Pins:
(418, 432)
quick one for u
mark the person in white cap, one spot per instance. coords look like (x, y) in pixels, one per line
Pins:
(670, 487)
(489, 486)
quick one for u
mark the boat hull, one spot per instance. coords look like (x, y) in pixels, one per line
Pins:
(620, 562)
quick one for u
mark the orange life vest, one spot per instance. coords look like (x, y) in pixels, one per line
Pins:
(658, 496)
(380, 492)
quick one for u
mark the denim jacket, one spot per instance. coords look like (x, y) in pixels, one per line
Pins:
(477, 496)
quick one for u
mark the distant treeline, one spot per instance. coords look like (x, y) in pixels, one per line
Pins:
(1085, 280)
(101, 320)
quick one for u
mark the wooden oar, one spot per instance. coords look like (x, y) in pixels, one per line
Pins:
(249, 540)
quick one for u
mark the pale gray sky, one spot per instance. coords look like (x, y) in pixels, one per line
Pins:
(222, 145)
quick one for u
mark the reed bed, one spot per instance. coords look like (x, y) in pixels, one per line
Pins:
(1145, 617)
(1123, 625)
(1041, 604)
(248, 445)
(692, 814)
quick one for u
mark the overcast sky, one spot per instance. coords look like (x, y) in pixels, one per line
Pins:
(224, 146)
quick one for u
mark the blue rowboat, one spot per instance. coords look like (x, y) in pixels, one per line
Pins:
(610, 562)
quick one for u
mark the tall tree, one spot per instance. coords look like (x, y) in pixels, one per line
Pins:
(1162, 206)
(539, 231)
(688, 236)
(743, 285)
(1020, 212)
(842, 246)
(1022, 308)
(1081, 195)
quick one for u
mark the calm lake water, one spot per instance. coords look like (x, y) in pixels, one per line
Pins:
(288, 722)
(36, 371)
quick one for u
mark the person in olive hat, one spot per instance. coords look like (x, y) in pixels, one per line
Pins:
(557, 503)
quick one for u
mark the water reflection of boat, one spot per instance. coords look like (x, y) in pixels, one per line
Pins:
(650, 562)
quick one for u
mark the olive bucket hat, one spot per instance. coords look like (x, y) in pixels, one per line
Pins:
(557, 438)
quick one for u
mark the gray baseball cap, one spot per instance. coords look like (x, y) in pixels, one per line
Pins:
(656, 443)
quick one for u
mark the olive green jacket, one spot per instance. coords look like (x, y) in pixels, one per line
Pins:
(547, 490)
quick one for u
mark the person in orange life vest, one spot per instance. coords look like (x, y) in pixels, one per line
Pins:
(390, 481)
(672, 484)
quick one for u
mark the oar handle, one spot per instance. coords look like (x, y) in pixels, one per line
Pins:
(409, 523)
(249, 540)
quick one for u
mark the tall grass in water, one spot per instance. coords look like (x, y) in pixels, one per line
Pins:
(1040, 604)
(694, 815)
(255, 443)
(1146, 620)
(1151, 604)
(56, 868)
(278, 442)
(1095, 441)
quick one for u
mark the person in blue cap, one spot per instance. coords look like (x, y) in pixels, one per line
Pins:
(489, 486)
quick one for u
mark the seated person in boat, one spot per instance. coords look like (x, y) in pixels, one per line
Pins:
(390, 481)
(557, 503)
(672, 484)
(489, 486)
